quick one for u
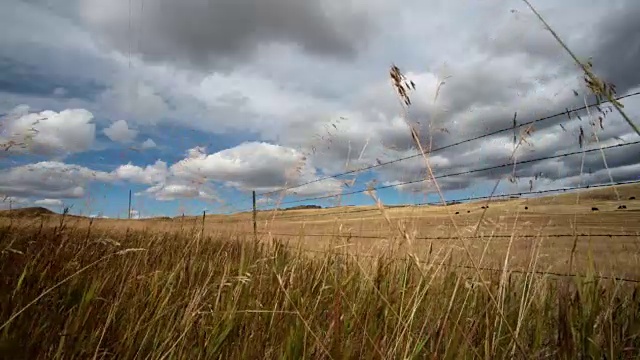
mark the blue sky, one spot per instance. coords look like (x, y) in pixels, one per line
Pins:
(191, 109)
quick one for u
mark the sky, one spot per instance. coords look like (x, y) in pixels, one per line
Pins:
(193, 104)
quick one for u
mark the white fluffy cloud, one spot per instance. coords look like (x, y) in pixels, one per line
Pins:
(133, 98)
(151, 174)
(254, 166)
(184, 190)
(55, 181)
(49, 179)
(165, 186)
(148, 144)
(48, 202)
(47, 132)
(249, 166)
(120, 132)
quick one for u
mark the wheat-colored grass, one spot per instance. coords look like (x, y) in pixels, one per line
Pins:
(116, 290)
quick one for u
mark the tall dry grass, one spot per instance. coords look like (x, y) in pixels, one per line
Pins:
(74, 293)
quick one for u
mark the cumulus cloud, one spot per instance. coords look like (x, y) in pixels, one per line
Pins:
(249, 166)
(254, 166)
(134, 98)
(49, 179)
(165, 186)
(134, 214)
(548, 141)
(151, 174)
(98, 215)
(148, 144)
(182, 190)
(487, 87)
(47, 132)
(55, 180)
(120, 132)
(48, 202)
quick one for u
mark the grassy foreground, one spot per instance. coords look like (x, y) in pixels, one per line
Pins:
(77, 293)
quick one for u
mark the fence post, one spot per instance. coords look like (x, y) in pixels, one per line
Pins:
(203, 215)
(10, 212)
(515, 115)
(129, 213)
(255, 223)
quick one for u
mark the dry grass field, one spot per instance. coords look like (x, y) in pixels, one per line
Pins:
(79, 288)
(555, 227)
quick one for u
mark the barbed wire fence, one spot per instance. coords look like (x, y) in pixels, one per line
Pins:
(286, 190)
(481, 268)
(513, 127)
(456, 200)
(568, 112)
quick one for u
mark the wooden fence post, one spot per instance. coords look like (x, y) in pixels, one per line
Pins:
(255, 223)
(203, 215)
(129, 214)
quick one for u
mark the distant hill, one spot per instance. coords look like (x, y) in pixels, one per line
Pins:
(302, 207)
(27, 212)
(163, 218)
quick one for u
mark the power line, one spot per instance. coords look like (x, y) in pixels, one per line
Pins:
(445, 146)
(459, 173)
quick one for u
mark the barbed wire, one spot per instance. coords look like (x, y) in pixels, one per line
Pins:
(460, 266)
(451, 265)
(510, 128)
(467, 172)
(452, 201)
(492, 236)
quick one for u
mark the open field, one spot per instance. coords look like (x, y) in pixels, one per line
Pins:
(554, 227)
(161, 289)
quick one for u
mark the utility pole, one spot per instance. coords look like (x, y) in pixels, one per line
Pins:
(129, 216)
(255, 223)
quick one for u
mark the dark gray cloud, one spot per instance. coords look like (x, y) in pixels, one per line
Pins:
(527, 73)
(618, 48)
(619, 174)
(544, 142)
(523, 69)
(219, 32)
(22, 78)
(45, 59)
